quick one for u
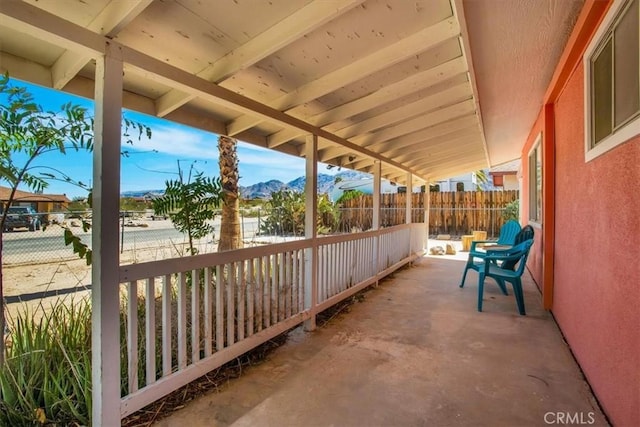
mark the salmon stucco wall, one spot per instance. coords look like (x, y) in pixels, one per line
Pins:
(534, 262)
(596, 298)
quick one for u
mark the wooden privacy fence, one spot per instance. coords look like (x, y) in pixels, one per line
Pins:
(454, 213)
(459, 213)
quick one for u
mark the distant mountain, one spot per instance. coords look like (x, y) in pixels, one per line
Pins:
(326, 183)
(298, 183)
(141, 193)
(263, 190)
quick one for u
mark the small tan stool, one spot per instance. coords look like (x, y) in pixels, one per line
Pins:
(466, 242)
(479, 235)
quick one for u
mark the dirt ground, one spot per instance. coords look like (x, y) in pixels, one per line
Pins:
(64, 276)
(29, 284)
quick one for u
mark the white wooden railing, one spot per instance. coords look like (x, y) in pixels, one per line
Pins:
(188, 316)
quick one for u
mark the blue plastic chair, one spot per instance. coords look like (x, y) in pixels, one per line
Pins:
(525, 234)
(508, 233)
(492, 268)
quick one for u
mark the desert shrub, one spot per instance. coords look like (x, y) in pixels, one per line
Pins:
(328, 215)
(285, 214)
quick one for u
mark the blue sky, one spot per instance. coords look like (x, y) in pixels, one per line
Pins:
(145, 169)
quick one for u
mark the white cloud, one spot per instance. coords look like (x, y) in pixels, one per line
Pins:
(178, 141)
(256, 163)
(269, 158)
(191, 143)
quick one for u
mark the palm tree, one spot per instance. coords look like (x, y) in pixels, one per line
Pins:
(230, 237)
(481, 178)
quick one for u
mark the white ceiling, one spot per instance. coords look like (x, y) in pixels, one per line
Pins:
(515, 46)
(398, 81)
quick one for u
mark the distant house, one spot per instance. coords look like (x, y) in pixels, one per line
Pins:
(505, 176)
(365, 185)
(466, 182)
(149, 196)
(41, 202)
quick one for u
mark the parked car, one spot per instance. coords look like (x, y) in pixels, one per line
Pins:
(22, 217)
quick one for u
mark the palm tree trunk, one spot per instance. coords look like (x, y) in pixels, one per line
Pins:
(230, 237)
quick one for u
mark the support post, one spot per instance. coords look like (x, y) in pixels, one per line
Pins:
(105, 327)
(310, 229)
(377, 172)
(409, 194)
(408, 206)
(427, 209)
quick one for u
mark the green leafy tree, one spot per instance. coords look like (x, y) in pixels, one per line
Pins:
(512, 211)
(28, 131)
(191, 204)
(349, 195)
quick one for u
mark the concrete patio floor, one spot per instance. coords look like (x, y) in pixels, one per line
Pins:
(413, 352)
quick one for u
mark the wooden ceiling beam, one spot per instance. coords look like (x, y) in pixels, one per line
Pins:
(427, 160)
(432, 136)
(450, 129)
(356, 70)
(441, 99)
(390, 93)
(455, 166)
(23, 69)
(33, 21)
(115, 16)
(466, 123)
(455, 169)
(430, 119)
(290, 29)
(460, 109)
(443, 148)
(167, 74)
(436, 146)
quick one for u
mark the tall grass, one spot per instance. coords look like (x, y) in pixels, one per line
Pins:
(46, 379)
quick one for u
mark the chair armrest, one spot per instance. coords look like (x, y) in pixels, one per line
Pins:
(475, 242)
(503, 256)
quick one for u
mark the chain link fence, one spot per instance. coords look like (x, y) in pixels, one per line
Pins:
(38, 264)
(144, 236)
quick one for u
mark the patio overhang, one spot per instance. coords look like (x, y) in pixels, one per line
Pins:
(373, 80)
(405, 90)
